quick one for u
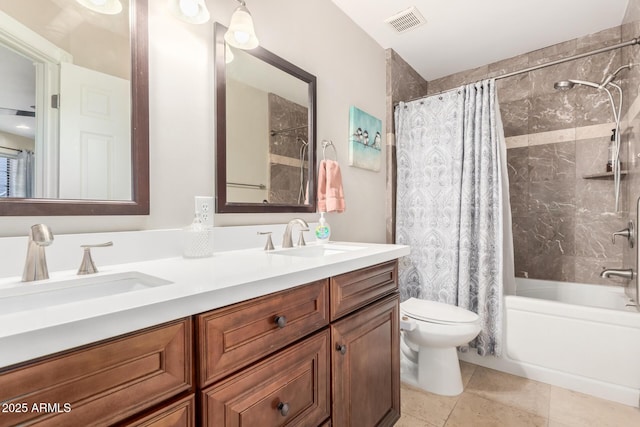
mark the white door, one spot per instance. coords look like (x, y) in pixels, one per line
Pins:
(95, 135)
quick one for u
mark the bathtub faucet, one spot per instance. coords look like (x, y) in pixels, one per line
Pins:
(628, 273)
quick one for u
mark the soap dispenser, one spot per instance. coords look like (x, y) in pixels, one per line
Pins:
(323, 230)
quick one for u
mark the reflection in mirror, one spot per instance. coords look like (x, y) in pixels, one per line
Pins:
(265, 135)
(74, 113)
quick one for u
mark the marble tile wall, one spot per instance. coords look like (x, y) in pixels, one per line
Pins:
(562, 223)
(284, 149)
(403, 83)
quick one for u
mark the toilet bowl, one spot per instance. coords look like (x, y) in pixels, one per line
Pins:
(431, 331)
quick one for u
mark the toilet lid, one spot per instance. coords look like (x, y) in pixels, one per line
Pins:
(437, 312)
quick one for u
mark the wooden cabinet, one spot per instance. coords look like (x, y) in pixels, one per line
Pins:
(322, 354)
(101, 384)
(349, 372)
(366, 366)
(290, 388)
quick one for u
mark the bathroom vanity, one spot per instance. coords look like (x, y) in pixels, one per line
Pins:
(293, 339)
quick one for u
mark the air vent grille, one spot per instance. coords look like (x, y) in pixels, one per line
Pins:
(406, 20)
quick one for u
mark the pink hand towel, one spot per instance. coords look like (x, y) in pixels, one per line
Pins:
(330, 192)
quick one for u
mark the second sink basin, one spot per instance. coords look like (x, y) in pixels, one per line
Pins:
(313, 251)
(41, 295)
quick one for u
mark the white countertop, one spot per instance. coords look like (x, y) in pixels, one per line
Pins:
(198, 285)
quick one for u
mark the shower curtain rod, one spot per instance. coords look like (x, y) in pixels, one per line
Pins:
(9, 148)
(631, 42)
(275, 132)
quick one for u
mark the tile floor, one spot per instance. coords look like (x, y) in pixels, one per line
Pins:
(493, 398)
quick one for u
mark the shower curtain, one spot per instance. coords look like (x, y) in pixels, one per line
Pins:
(21, 175)
(452, 204)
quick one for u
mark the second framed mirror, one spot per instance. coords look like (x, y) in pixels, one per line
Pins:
(265, 132)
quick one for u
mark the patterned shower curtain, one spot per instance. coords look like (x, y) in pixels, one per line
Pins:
(21, 176)
(450, 206)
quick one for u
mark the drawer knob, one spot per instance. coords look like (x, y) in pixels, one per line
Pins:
(283, 408)
(281, 321)
(341, 348)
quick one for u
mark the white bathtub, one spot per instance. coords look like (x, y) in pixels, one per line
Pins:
(576, 336)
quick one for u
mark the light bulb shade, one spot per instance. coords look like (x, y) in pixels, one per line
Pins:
(107, 7)
(241, 33)
(191, 11)
(228, 55)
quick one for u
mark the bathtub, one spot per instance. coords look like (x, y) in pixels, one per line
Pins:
(576, 336)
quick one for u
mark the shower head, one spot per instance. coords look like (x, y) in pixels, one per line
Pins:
(569, 84)
(563, 85)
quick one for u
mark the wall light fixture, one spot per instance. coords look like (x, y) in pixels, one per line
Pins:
(241, 33)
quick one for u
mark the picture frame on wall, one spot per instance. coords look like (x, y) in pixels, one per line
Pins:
(365, 140)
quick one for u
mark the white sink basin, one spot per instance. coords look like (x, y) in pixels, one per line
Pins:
(40, 295)
(314, 251)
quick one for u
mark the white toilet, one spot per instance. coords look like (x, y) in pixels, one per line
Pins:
(431, 331)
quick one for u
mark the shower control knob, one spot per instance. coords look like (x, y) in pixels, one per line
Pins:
(628, 233)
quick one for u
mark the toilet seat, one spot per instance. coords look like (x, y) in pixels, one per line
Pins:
(437, 312)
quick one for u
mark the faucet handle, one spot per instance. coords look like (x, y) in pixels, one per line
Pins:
(87, 266)
(269, 245)
(628, 233)
(301, 241)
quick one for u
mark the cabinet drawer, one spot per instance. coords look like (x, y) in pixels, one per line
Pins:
(356, 289)
(233, 337)
(101, 384)
(290, 388)
(178, 414)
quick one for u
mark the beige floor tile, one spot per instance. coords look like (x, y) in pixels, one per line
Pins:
(410, 421)
(576, 409)
(467, 370)
(521, 393)
(426, 406)
(475, 411)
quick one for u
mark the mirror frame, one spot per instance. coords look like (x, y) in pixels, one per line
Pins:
(222, 204)
(139, 142)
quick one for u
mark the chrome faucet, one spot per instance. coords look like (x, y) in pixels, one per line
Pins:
(286, 239)
(627, 273)
(35, 267)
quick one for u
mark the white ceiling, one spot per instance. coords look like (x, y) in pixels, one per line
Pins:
(464, 34)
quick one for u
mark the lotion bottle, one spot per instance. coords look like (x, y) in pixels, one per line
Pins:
(323, 230)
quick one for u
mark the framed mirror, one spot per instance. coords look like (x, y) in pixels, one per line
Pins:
(74, 133)
(265, 132)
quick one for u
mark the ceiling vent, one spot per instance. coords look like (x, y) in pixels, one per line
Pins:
(406, 20)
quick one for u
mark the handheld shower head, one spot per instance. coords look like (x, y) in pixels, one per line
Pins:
(569, 84)
(563, 85)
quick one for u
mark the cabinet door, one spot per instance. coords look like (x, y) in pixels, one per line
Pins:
(366, 366)
(290, 388)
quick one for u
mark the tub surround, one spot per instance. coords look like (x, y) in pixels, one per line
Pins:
(197, 285)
